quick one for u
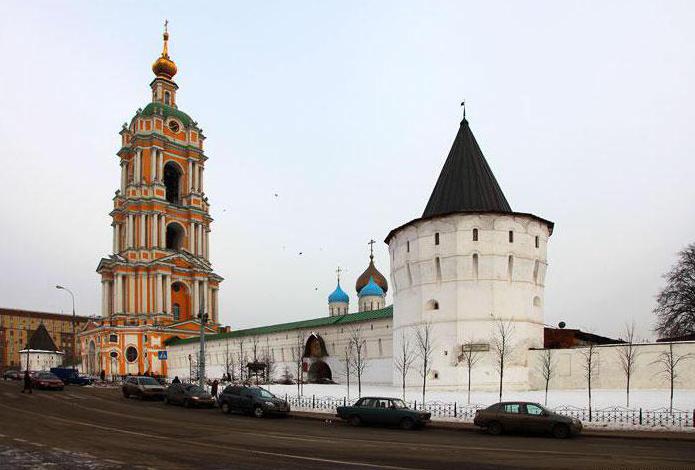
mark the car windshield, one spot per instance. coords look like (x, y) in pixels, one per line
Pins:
(147, 381)
(263, 393)
(399, 404)
(195, 389)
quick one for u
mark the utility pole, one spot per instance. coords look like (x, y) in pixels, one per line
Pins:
(201, 360)
(74, 336)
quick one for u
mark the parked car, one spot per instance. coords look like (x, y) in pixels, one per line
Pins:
(70, 376)
(12, 375)
(525, 417)
(385, 411)
(143, 387)
(188, 395)
(252, 400)
(46, 381)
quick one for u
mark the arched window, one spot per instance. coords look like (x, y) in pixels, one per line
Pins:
(174, 236)
(432, 305)
(438, 268)
(172, 182)
(475, 266)
(510, 267)
(537, 301)
(167, 98)
(177, 312)
(436, 238)
(511, 236)
(475, 234)
(538, 241)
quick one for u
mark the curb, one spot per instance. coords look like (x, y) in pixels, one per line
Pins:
(467, 427)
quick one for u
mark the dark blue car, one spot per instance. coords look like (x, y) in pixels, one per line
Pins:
(70, 376)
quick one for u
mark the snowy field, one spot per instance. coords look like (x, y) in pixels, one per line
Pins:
(648, 399)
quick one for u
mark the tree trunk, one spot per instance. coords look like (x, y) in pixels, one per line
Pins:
(589, 379)
(469, 385)
(424, 381)
(628, 390)
(546, 391)
(670, 406)
(501, 377)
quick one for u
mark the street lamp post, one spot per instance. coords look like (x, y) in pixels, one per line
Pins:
(74, 337)
(201, 361)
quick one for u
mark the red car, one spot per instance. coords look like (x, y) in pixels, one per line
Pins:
(47, 381)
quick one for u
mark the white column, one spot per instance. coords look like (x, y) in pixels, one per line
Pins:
(200, 239)
(153, 166)
(115, 237)
(143, 292)
(191, 238)
(155, 230)
(163, 233)
(131, 292)
(190, 176)
(206, 297)
(117, 293)
(158, 294)
(143, 230)
(167, 294)
(215, 305)
(104, 299)
(136, 168)
(124, 176)
(129, 228)
(195, 305)
(200, 177)
(160, 161)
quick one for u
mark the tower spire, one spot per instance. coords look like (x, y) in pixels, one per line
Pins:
(165, 47)
(165, 67)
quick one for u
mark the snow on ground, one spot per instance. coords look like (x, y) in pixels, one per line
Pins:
(647, 399)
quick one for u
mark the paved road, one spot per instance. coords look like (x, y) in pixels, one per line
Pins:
(99, 429)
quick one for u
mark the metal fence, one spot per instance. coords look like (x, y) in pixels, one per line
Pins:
(466, 413)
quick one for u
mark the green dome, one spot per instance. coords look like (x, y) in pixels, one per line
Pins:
(159, 109)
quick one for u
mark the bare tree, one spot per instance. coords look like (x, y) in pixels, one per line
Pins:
(675, 309)
(403, 361)
(470, 357)
(628, 358)
(241, 360)
(669, 363)
(547, 367)
(228, 361)
(424, 344)
(359, 356)
(298, 358)
(347, 360)
(590, 355)
(269, 360)
(502, 347)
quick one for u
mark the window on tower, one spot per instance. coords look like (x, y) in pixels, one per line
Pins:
(174, 236)
(176, 311)
(172, 182)
(167, 98)
(475, 234)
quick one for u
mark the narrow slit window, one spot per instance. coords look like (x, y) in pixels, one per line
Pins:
(438, 268)
(475, 266)
(407, 246)
(538, 242)
(475, 234)
(510, 267)
(511, 236)
(436, 238)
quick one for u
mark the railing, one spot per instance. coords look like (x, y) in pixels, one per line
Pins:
(661, 417)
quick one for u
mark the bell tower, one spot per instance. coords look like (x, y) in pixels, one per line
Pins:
(159, 278)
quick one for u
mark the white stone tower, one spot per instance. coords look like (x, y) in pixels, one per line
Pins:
(466, 264)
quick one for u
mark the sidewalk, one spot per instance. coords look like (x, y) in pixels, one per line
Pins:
(468, 427)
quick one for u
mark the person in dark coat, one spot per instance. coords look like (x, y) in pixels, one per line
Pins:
(213, 390)
(176, 380)
(27, 382)
(102, 376)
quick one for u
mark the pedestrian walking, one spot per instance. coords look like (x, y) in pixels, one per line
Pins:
(27, 382)
(102, 375)
(176, 380)
(213, 391)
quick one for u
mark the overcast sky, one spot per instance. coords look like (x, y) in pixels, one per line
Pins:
(347, 110)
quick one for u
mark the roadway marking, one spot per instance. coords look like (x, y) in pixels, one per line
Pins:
(20, 440)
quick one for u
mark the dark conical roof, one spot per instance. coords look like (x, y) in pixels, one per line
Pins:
(41, 340)
(466, 183)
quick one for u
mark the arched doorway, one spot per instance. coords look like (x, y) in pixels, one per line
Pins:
(319, 372)
(175, 236)
(180, 302)
(172, 182)
(315, 347)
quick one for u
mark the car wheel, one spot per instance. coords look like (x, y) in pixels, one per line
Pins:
(561, 431)
(225, 408)
(186, 403)
(407, 424)
(355, 420)
(258, 412)
(495, 428)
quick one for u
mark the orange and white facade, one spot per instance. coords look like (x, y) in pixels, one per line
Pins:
(159, 277)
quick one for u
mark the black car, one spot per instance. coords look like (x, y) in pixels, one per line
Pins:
(525, 417)
(188, 395)
(252, 400)
(384, 411)
(12, 375)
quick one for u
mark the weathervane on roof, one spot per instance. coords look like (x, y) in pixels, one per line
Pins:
(463, 105)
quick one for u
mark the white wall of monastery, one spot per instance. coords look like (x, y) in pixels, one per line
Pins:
(609, 374)
(377, 335)
(473, 283)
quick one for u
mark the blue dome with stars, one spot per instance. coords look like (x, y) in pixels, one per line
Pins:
(338, 295)
(372, 288)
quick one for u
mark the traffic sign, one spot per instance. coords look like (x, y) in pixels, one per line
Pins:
(162, 355)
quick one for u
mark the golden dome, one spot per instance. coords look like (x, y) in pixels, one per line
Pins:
(164, 66)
